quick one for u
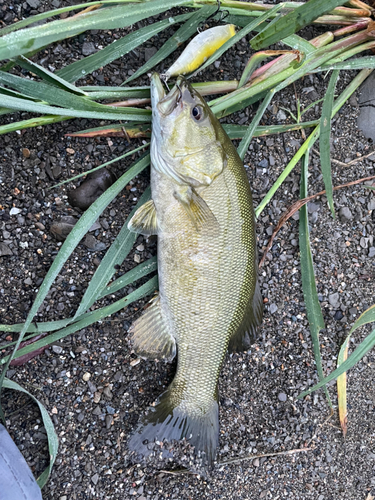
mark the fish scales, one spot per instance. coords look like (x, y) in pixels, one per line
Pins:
(208, 292)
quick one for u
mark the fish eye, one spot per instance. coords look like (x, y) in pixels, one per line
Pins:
(197, 112)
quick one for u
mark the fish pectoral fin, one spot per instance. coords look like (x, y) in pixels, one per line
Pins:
(151, 335)
(247, 333)
(197, 210)
(145, 220)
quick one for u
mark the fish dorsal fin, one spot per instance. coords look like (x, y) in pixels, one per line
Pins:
(151, 335)
(144, 221)
(197, 210)
(246, 334)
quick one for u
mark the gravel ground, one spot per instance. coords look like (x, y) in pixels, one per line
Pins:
(90, 383)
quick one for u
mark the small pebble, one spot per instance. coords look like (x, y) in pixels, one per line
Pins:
(14, 211)
(86, 376)
(282, 396)
(273, 308)
(345, 214)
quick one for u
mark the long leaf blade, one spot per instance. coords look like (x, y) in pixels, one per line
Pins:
(324, 140)
(30, 39)
(244, 144)
(367, 317)
(53, 442)
(113, 257)
(293, 22)
(130, 114)
(310, 295)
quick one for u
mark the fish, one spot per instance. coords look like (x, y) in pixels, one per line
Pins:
(200, 49)
(209, 299)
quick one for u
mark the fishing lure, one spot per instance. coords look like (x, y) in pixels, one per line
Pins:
(200, 49)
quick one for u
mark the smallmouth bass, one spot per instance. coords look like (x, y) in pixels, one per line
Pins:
(209, 299)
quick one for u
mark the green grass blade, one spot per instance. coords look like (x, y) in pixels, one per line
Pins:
(367, 317)
(131, 276)
(130, 114)
(325, 136)
(298, 43)
(310, 295)
(182, 34)
(114, 256)
(237, 37)
(32, 122)
(117, 49)
(121, 16)
(88, 319)
(293, 22)
(116, 92)
(77, 233)
(53, 442)
(44, 15)
(48, 76)
(360, 63)
(244, 144)
(60, 97)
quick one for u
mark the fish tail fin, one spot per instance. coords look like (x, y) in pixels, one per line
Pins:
(170, 419)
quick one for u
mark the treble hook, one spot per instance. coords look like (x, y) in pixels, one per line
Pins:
(200, 25)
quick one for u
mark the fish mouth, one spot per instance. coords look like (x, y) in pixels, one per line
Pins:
(174, 98)
(157, 90)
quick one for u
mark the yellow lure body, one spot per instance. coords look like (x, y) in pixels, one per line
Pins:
(200, 49)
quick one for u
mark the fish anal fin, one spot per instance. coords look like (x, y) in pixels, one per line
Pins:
(170, 420)
(151, 337)
(246, 334)
(144, 221)
(197, 210)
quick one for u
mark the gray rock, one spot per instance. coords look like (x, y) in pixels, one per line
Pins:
(273, 308)
(282, 396)
(108, 421)
(334, 300)
(371, 204)
(93, 244)
(88, 48)
(95, 478)
(34, 4)
(371, 252)
(281, 115)
(345, 214)
(57, 349)
(4, 250)
(313, 207)
(263, 163)
(149, 52)
(14, 211)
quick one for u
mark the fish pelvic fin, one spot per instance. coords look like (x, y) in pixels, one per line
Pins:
(151, 335)
(171, 420)
(145, 220)
(247, 333)
(197, 210)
